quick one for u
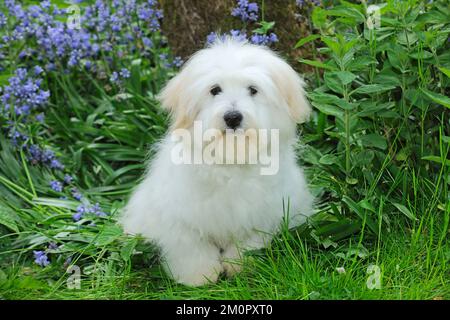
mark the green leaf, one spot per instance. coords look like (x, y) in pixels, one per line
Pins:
(329, 109)
(327, 98)
(305, 40)
(360, 212)
(437, 160)
(405, 211)
(333, 82)
(445, 71)
(328, 159)
(108, 234)
(370, 108)
(374, 140)
(437, 97)
(7, 217)
(372, 88)
(346, 77)
(318, 64)
(127, 249)
(265, 26)
(423, 54)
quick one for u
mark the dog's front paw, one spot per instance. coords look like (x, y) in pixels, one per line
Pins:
(199, 275)
(193, 267)
(231, 261)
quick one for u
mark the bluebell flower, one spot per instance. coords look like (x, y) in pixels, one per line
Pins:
(246, 11)
(147, 42)
(3, 20)
(53, 246)
(56, 185)
(41, 258)
(68, 179)
(124, 73)
(95, 209)
(177, 62)
(38, 70)
(114, 77)
(77, 216)
(76, 194)
(211, 38)
(304, 3)
(263, 39)
(238, 35)
(40, 117)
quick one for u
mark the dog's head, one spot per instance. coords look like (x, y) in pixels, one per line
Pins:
(236, 85)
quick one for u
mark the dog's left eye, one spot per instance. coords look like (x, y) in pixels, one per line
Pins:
(252, 90)
(215, 90)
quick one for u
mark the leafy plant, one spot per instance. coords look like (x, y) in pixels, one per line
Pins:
(382, 114)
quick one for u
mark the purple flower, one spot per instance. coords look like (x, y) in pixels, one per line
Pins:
(262, 39)
(147, 42)
(40, 117)
(238, 35)
(40, 258)
(56, 164)
(3, 20)
(304, 3)
(76, 194)
(77, 216)
(53, 246)
(68, 179)
(124, 73)
(246, 11)
(56, 185)
(95, 209)
(114, 77)
(177, 62)
(211, 38)
(38, 70)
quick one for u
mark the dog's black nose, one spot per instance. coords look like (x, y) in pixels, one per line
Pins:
(233, 119)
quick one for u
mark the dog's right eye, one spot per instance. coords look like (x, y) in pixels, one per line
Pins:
(215, 90)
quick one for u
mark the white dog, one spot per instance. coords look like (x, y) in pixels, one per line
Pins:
(203, 216)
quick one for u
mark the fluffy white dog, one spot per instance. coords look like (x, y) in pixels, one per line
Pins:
(203, 215)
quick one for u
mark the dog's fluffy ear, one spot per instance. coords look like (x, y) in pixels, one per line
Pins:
(291, 87)
(171, 98)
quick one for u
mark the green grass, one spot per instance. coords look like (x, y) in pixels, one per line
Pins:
(411, 267)
(376, 156)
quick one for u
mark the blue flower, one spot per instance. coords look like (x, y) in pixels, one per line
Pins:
(41, 258)
(40, 117)
(53, 246)
(68, 179)
(38, 70)
(114, 77)
(95, 209)
(177, 62)
(124, 73)
(56, 185)
(304, 3)
(76, 194)
(246, 11)
(77, 216)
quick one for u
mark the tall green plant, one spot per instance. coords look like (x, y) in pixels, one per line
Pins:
(384, 92)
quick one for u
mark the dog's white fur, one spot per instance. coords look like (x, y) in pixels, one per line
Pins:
(204, 216)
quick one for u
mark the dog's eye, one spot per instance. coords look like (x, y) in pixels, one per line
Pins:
(252, 90)
(215, 90)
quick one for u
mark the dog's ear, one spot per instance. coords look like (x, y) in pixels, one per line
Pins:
(171, 98)
(291, 87)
